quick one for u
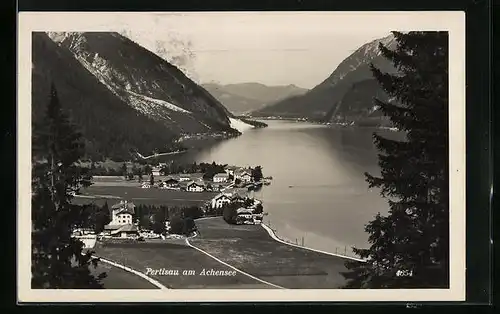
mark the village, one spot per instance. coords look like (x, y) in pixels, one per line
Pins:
(232, 198)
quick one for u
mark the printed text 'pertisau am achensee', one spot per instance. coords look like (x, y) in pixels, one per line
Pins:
(188, 272)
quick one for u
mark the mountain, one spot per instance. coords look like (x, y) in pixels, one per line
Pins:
(120, 95)
(320, 100)
(110, 126)
(146, 82)
(234, 103)
(357, 105)
(245, 97)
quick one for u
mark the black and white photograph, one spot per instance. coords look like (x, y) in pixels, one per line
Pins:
(225, 156)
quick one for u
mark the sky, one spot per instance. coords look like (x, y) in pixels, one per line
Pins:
(269, 48)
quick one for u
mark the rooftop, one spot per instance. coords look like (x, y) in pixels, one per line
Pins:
(243, 210)
(222, 195)
(125, 228)
(191, 175)
(171, 178)
(242, 171)
(124, 206)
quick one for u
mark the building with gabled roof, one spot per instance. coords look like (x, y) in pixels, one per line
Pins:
(121, 219)
(190, 176)
(122, 231)
(195, 186)
(220, 200)
(243, 175)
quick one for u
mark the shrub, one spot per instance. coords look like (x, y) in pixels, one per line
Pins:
(259, 209)
(188, 225)
(229, 214)
(193, 212)
(176, 225)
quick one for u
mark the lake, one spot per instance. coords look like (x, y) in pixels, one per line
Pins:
(318, 191)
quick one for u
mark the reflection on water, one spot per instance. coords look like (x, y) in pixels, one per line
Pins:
(319, 190)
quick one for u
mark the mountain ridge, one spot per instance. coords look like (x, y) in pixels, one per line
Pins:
(241, 98)
(123, 97)
(321, 100)
(147, 82)
(107, 123)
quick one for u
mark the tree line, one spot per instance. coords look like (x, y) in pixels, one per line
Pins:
(181, 219)
(147, 217)
(142, 171)
(228, 211)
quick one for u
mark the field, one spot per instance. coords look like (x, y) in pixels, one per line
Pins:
(98, 194)
(248, 248)
(118, 278)
(251, 249)
(175, 257)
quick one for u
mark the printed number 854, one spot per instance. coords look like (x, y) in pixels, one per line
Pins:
(404, 273)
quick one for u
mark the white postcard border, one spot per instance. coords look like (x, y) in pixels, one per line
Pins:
(453, 22)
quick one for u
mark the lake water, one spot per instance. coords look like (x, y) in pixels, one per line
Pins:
(318, 190)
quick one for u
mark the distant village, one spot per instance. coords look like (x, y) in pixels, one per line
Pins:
(232, 176)
(233, 201)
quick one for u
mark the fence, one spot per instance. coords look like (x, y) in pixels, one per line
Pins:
(302, 242)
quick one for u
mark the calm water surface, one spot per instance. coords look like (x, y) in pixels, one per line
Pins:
(318, 190)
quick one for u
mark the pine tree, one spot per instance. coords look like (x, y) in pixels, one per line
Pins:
(139, 174)
(159, 221)
(147, 169)
(103, 217)
(57, 258)
(124, 170)
(413, 238)
(257, 174)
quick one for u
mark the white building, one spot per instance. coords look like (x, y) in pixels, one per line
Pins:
(243, 175)
(121, 224)
(155, 171)
(220, 200)
(122, 213)
(247, 216)
(184, 177)
(231, 169)
(221, 177)
(195, 187)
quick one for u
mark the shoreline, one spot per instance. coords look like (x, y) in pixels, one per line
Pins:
(273, 235)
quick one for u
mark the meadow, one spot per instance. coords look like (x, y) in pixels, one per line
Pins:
(99, 194)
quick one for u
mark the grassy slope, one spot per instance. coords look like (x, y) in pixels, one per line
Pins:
(251, 249)
(118, 278)
(176, 257)
(144, 196)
